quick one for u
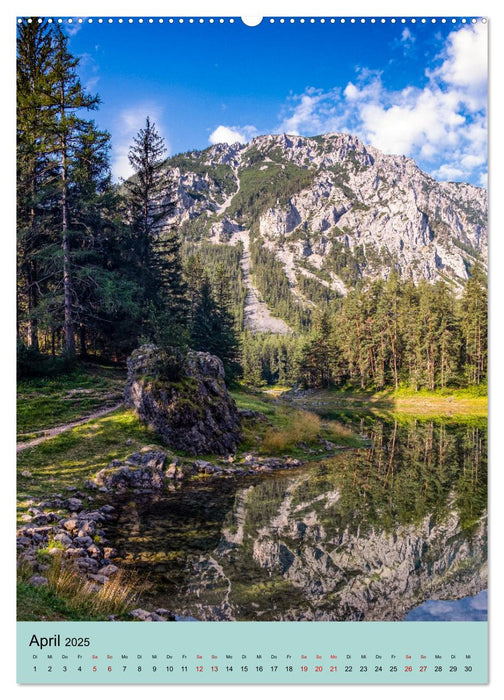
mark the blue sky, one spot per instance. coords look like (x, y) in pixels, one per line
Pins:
(474, 608)
(417, 89)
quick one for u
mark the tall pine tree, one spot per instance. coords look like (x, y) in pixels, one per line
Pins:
(150, 197)
(69, 100)
(35, 170)
(474, 321)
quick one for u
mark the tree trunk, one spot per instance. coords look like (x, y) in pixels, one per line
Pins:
(33, 301)
(68, 326)
(33, 339)
(82, 340)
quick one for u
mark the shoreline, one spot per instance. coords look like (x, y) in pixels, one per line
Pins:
(63, 465)
(420, 403)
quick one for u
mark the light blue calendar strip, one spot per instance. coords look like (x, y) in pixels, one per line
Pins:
(252, 652)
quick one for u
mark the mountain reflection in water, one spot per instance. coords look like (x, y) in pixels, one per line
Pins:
(368, 534)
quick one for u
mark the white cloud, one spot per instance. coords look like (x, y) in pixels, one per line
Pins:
(232, 134)
(316, 112)
(73, 27)
(448, 173)
(407, 37)
(465, 63)
(472, 161)
(129, 122)
(427, 151)
(414, 120)
(351, 92)
(407, 41)
(305, 112)
(442, 125)
(89, 71)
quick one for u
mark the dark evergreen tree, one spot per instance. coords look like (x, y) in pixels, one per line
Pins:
(204, 330)
(228, 331)
(212, 258)
(212, 325)
(251, 360)
(318, 354)
(77, 276)
(474, 322)
(108, 311)
(68, 99)
(101, 263)
(35, 171)
(150, 196)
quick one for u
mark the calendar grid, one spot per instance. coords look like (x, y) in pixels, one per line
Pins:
(243, 652)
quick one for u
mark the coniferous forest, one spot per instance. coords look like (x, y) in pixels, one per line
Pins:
(100, 271)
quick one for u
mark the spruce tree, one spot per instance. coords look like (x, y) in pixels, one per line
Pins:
(68, 99)
(228, 332)
(35, 170)
(318, 354)
(205, 331)
(474, 323)
(73, 267)
(150, 197)
(91, 205)
(212, 325)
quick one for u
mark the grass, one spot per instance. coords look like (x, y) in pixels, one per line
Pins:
(287, 428)
(72, 457)
(422, 403)
(460, 402)
(49, 401)
(306, 429)
(303, 427)
(43, 553)
(69, 459)
(68, 597)
(470, 392)
(341, 435)
(76, 455)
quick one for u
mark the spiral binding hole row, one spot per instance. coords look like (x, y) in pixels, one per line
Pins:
(272, 20)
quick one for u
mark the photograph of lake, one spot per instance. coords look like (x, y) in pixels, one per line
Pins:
(252, 333)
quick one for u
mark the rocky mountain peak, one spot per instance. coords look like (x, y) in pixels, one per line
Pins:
(333, 210)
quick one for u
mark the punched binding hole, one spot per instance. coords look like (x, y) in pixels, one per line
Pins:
(252, 21)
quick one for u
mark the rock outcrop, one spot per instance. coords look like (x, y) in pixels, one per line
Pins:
(71, 532)
(142, 471)
(184, 399)
(347, 213)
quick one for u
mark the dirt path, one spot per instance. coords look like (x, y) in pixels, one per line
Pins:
(57, 430)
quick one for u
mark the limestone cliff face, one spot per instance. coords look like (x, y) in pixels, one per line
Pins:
(362, 214)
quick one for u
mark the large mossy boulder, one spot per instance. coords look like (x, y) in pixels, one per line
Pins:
(184, 398)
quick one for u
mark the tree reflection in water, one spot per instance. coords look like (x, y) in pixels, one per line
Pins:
(369, 534)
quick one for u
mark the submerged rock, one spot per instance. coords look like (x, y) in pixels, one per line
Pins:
(184, 399)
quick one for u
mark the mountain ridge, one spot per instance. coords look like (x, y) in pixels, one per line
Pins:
(331, 210)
